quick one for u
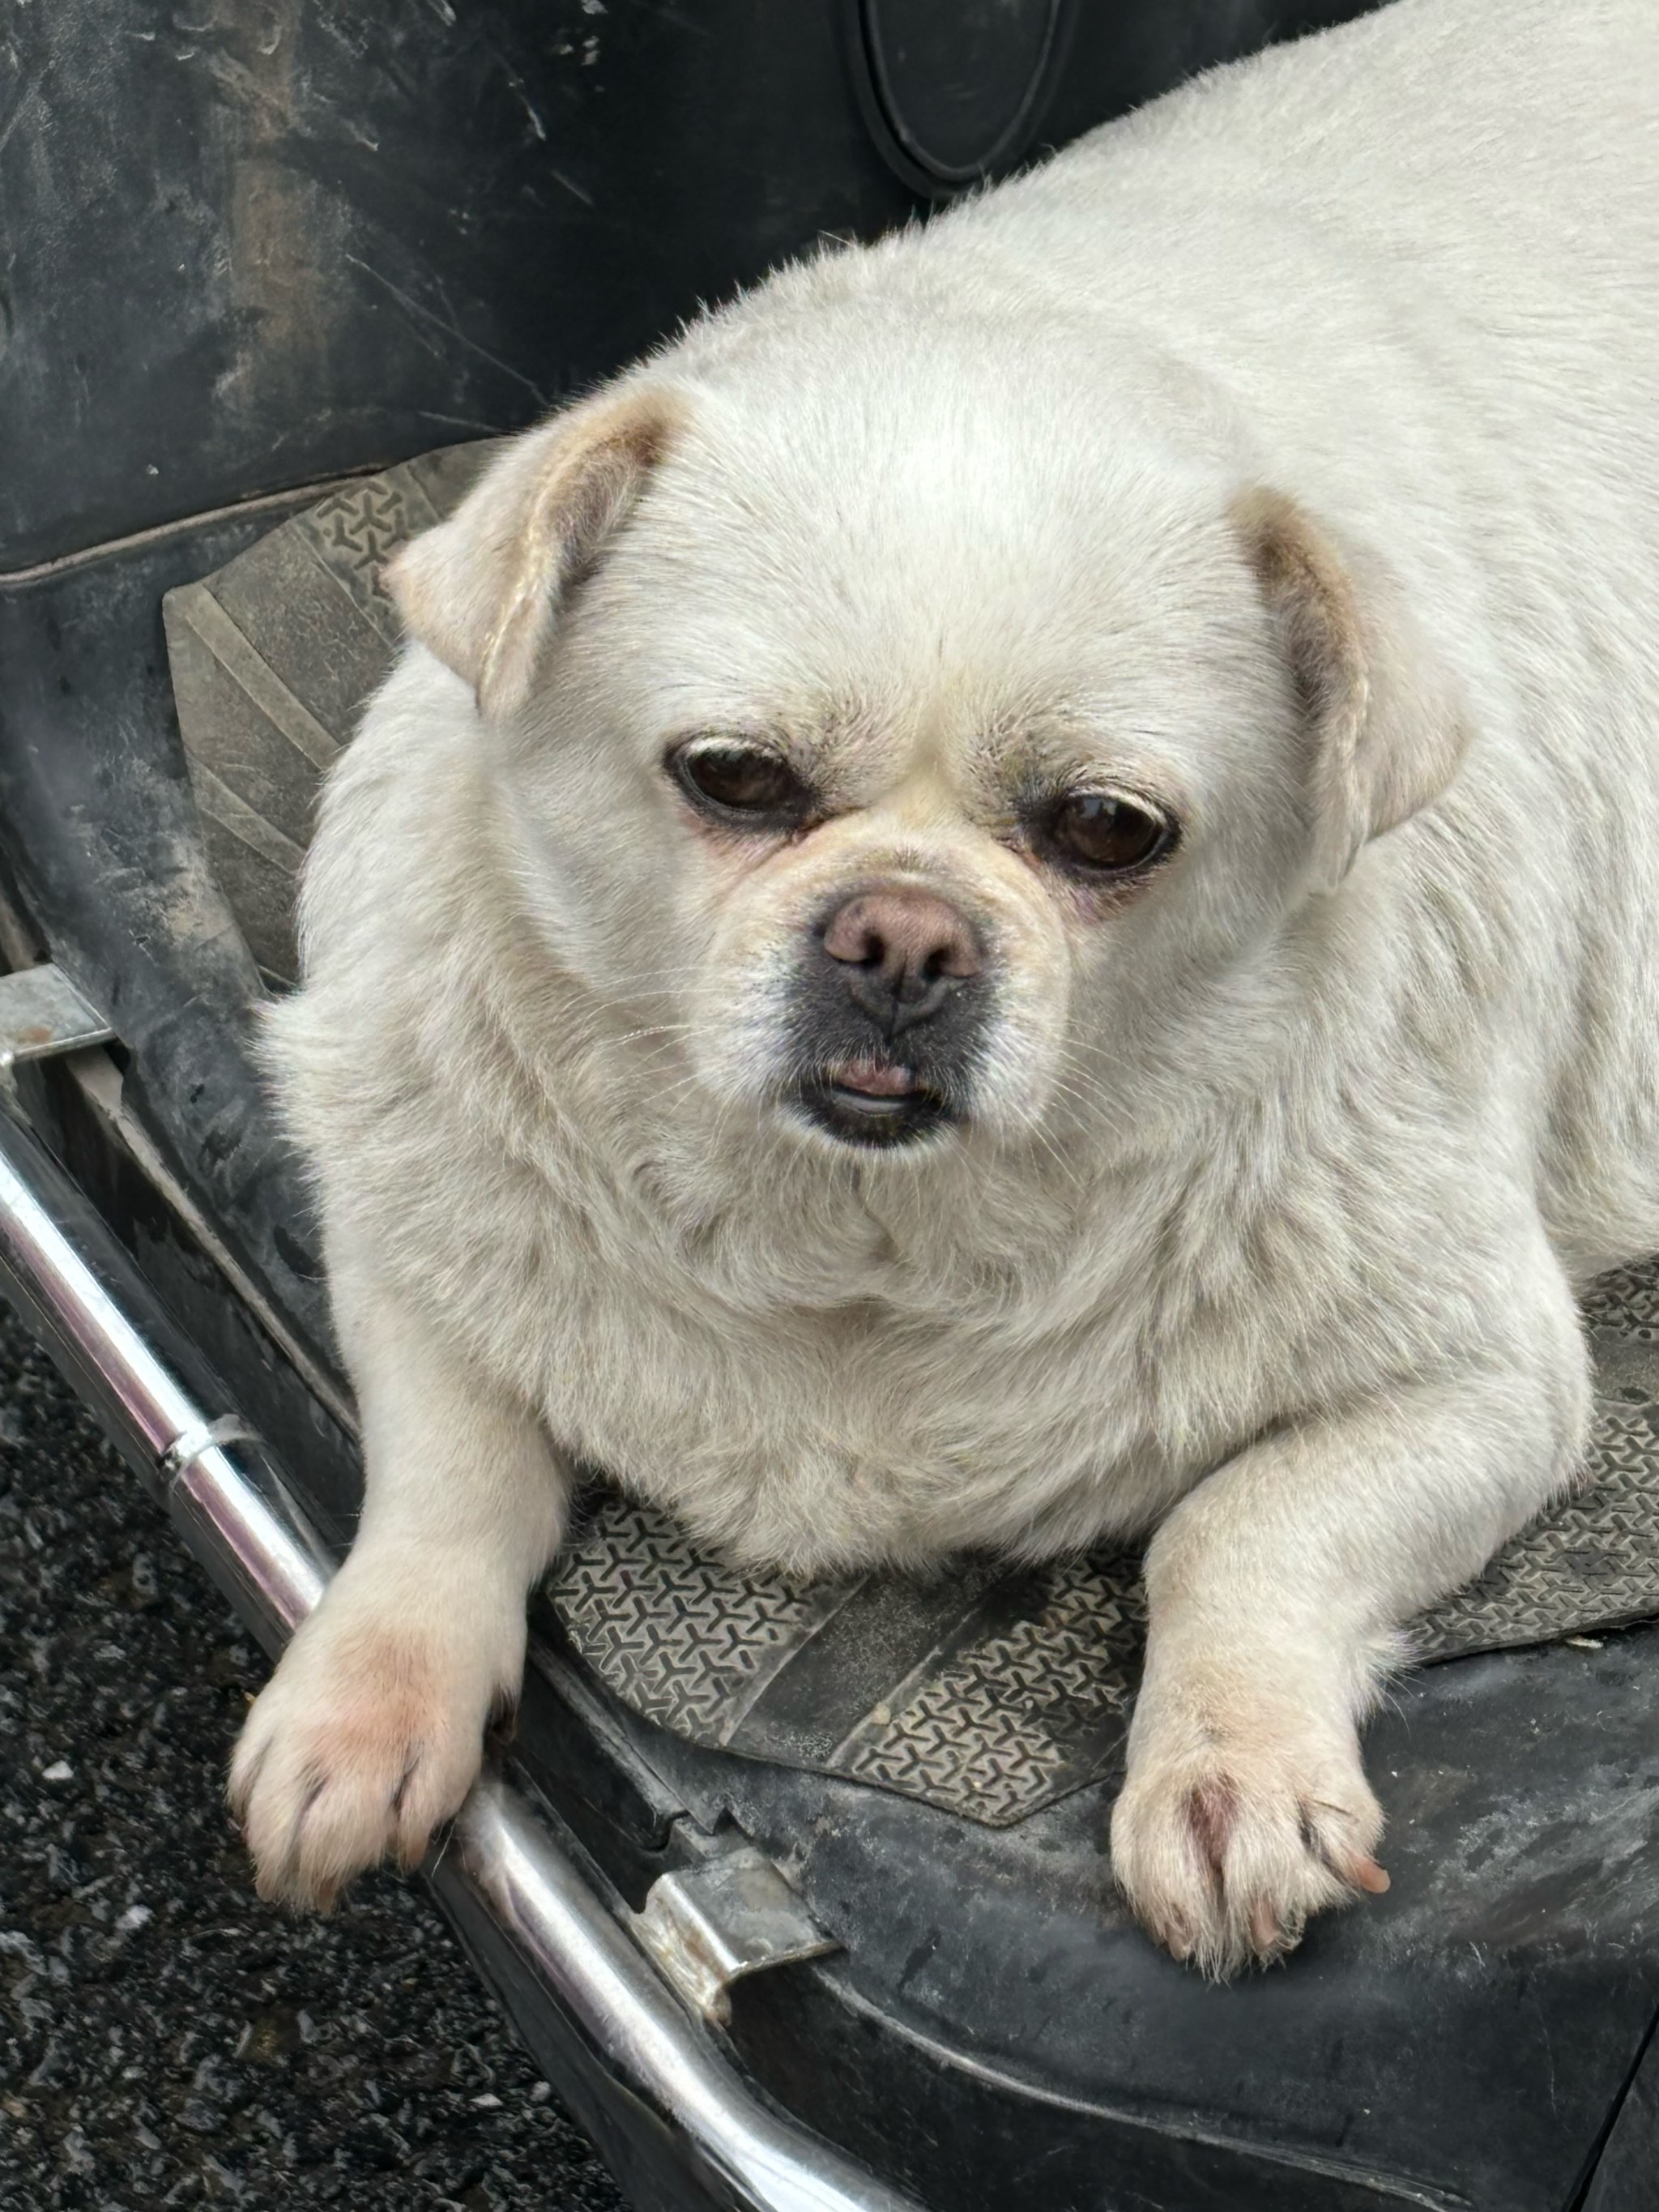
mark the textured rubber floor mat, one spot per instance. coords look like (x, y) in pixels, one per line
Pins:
(272, 659)
(987, 1691)
(993, 1694)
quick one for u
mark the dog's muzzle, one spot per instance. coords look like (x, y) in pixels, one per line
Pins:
(890, 1009)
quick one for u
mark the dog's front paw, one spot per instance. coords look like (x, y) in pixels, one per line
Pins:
(366, 1738)
(1228, 1835)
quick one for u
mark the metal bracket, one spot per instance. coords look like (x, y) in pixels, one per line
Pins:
(42, 1014)
(207, 1436)
(707, 1925)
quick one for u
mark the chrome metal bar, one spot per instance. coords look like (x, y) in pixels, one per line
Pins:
(233, 1511)
(68, 1273)
(108, 1359)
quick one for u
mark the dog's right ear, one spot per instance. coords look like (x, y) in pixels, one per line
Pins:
(483, 589)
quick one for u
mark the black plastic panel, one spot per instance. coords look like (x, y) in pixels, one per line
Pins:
(999, 2034)
(956, 91)
(253, 245)
(100, 837)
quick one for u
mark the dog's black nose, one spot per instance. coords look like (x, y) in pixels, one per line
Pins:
(903, 952)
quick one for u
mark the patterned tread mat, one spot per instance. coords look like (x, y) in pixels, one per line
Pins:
(992, 1694)
(272, 660)
(988, 1691)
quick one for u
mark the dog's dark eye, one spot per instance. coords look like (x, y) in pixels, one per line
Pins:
(740, 780)
(1106, 835)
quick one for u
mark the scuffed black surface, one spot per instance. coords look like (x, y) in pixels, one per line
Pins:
(165, 2038)
(1459, 2043)
(100, 836)
(254, 246)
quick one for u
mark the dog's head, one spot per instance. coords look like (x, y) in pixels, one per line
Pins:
(905, 736)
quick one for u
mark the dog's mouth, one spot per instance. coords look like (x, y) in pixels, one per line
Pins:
(873, 1102)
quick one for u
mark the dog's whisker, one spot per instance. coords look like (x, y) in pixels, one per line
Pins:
(657, 1028)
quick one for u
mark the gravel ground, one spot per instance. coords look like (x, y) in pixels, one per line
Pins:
(165, 2038)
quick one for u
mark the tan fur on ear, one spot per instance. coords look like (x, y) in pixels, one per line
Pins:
(483, 589)
(1386, 728)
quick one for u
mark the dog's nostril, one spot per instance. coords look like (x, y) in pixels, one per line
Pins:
(866, 948)
(904, 935)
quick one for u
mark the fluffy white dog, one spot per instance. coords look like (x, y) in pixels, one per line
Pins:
(1013, 896)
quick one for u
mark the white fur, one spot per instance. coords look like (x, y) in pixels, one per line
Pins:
(1265, 1230)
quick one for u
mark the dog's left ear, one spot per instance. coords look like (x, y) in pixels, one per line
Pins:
(484, 589)
(1385, 726)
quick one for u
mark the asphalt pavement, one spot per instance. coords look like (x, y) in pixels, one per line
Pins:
(165, 2037)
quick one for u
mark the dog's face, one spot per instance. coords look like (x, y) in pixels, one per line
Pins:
(904, 759)
(908, 795)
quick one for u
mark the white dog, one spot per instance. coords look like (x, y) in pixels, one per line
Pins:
(1013, 896)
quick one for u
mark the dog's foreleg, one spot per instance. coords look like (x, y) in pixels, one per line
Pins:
(370, 1732)
(1276, 1591)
